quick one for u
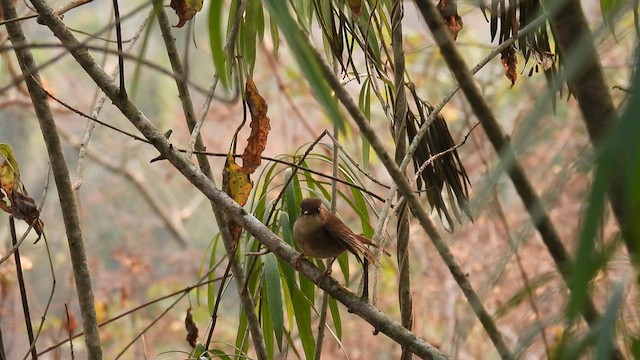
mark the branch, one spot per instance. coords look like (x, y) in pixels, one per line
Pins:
(588, 85)
(508, 161)
(196, 143)
(225, 204)
(63, 184)
(400, 110)
(418, 210)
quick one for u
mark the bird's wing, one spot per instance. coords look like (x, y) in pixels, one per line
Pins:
(356, 244)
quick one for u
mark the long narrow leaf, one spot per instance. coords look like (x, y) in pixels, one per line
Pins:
(303, 53)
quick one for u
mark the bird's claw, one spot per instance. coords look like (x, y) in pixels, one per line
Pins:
(298, 261)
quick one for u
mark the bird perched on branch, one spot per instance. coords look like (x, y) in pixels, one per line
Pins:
(323, 235)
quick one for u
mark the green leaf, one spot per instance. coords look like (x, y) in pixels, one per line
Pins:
(291, 197)
(274, 296)
(609, 10)
(267, 325)
(275, 35)
(211, 287)
(252, 24)
(607, 326)
(216, 41)
(200, 352)
(335, 315)
(219, 354)
(301, 310)
(364, 102)
(306, 59)
(9, 162)
(242, 343)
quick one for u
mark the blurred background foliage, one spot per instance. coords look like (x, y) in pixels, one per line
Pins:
(149, 233)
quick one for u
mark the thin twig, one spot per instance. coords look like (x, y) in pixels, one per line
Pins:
(97, 109)
(225, 204)
(140, 307)
(69, 330)
(417, 208)
(23, 290)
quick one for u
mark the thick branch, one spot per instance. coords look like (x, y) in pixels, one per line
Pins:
(509, 162)
(588, 85)
(246, 300)
(224, 203)
(63, 184)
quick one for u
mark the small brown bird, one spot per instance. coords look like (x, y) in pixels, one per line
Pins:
(321, 234)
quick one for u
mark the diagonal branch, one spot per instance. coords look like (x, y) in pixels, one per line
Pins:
(225, 204)
(502, 145)
(239, 275)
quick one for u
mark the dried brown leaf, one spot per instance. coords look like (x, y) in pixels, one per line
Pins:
(24, 208)
(510, 64)
(185, 9)
(260, 126)
(192, 329)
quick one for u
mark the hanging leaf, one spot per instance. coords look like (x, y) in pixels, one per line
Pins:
(192, 329)
(449, 12)
(237, 185)
(510, 64)
(355, 6)
(9, 172)
(186, 9)
(14, 198)
(260, 127)
(216, 41)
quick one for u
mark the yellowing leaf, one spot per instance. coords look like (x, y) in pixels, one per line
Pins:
(260, 126)
(237, 185)
(186, 9)
(9, 171)
(13, 196)
(235, 182)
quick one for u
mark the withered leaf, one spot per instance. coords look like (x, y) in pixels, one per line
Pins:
(24, 208)
(236, 184)
(510, 64)
(355, 6)
(449, 12)
(192, 329)
(260, 126)
(9, 170)
(186, 9)
(14, 198)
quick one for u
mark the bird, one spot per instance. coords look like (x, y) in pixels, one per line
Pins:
(321, 234)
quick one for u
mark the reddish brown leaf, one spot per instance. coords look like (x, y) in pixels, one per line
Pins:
(192, 329)
(257, 141)
(355, 6)
(186, 9)
(24, 208)
(449, 12)
(510, 64)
